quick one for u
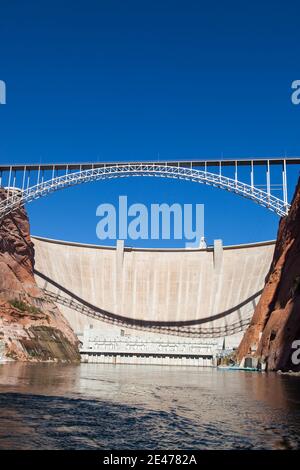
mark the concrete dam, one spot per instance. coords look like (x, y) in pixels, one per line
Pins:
(172, 306)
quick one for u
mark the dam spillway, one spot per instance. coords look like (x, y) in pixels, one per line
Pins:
(188, 296)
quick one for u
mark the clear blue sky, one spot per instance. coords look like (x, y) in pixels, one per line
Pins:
(117, 80)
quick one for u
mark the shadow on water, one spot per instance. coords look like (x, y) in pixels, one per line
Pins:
(95, 406)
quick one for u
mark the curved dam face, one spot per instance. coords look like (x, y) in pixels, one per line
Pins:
(199, 293)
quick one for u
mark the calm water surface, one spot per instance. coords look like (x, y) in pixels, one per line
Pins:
(95, 406)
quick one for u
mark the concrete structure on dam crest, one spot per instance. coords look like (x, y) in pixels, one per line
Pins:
(175, 306)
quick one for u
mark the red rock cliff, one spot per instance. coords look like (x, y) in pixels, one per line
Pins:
(276, 321)
(31, 327)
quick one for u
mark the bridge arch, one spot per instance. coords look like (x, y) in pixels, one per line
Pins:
(44, 188)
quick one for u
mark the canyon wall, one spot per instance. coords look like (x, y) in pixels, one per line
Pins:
(31, 327)
(275, 325)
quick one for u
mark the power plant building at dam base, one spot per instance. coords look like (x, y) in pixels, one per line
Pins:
(154, 306)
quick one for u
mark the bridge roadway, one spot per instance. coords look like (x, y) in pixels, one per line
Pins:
(224, 162)
(154, 294)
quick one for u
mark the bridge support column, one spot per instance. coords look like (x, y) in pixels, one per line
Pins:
(284, 184)
(268, 180)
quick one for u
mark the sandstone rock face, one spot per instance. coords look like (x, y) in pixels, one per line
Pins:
(31, 327)
(275, 325)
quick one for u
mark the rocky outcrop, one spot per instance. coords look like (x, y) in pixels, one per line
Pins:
(31, 327)
(275, 325)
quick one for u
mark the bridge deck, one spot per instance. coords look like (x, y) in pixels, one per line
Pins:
(183, 163)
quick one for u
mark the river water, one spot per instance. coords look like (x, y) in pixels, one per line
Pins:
(102, 406)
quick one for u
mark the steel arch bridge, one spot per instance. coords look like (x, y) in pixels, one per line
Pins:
(47, 178)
